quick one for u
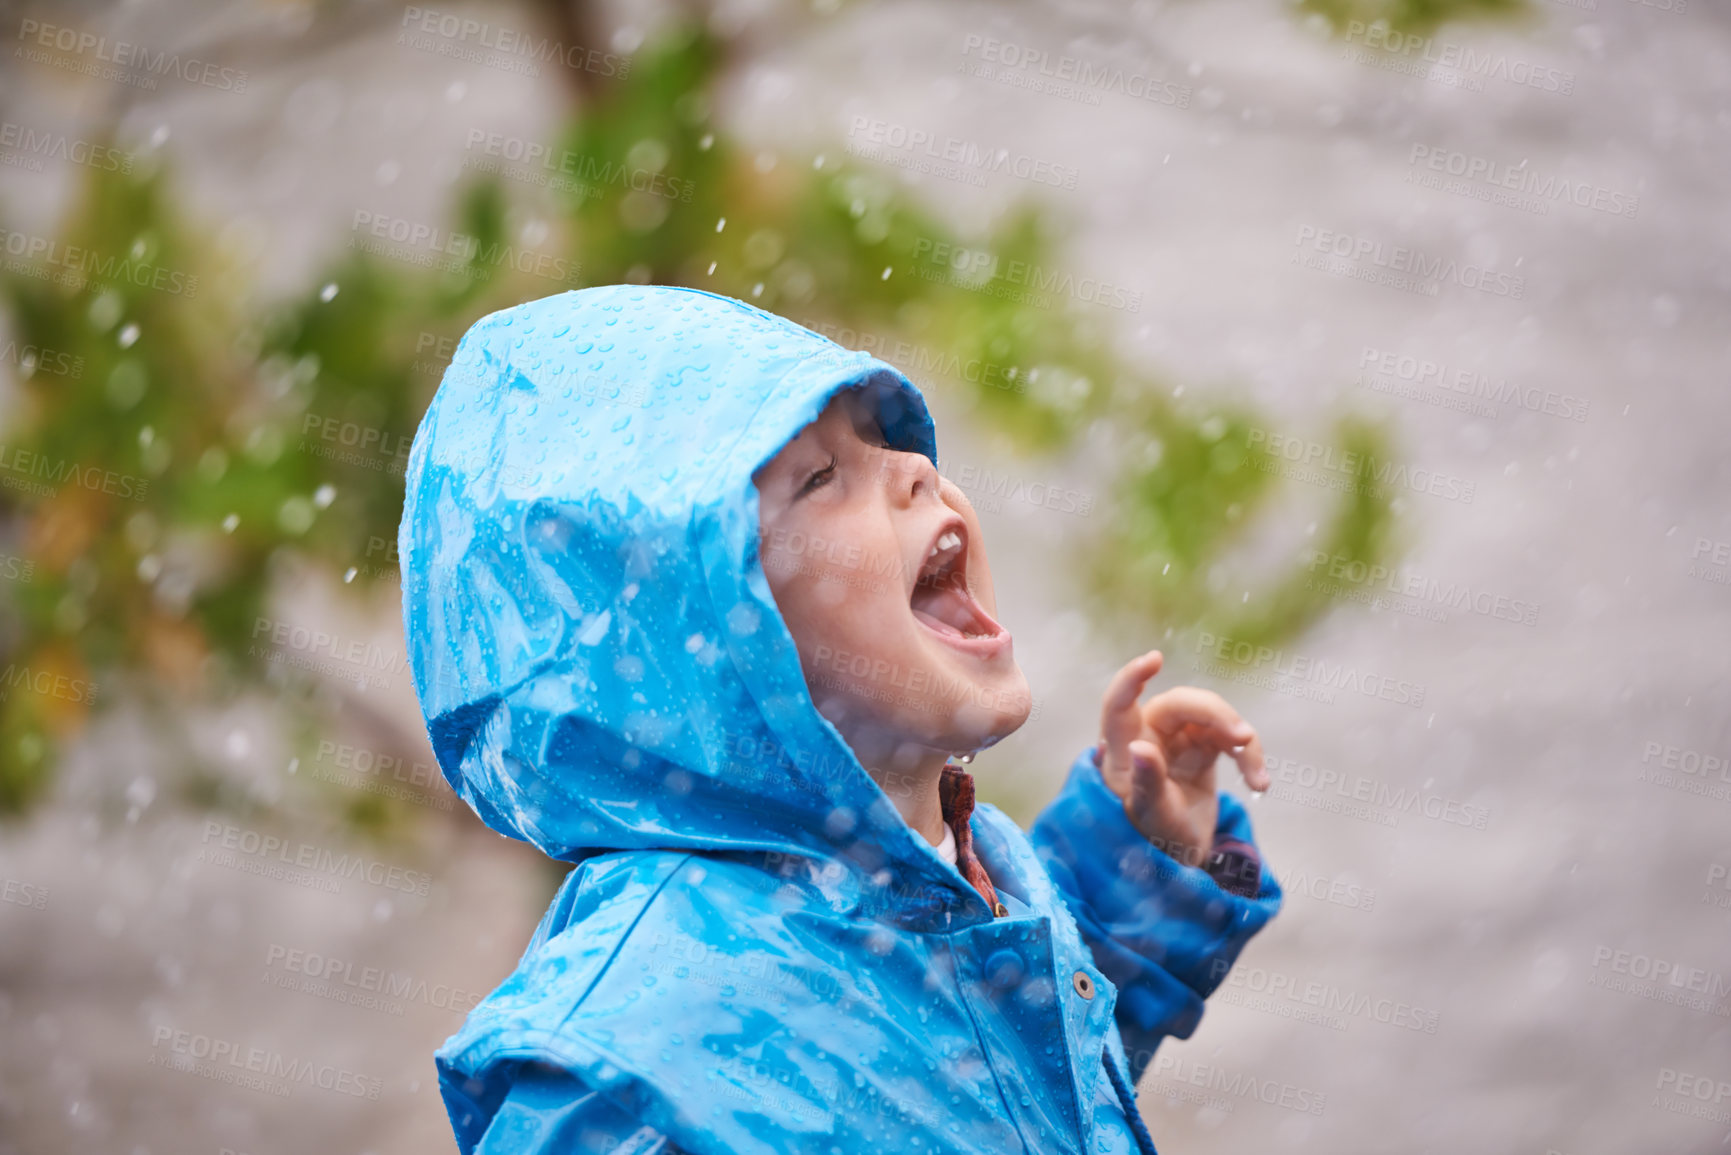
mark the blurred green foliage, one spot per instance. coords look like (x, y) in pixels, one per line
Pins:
(264, 434)
(1414, 17)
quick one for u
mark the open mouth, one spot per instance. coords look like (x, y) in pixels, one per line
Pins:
(940, 598)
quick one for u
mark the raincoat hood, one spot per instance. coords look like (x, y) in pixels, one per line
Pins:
(598, 656)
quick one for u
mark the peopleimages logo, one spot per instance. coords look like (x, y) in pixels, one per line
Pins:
(1469, 63)
(1521, 182)
(326, 652)
(1702, 1087)
(75, 266)
(567, 171)
(888, 681)
(131, 63)
(268, 1071)
(269, 848)
(26, 147)
(1336, 891)
(1343, 575)
(951, 156)
(1277, 992)
(1660, 980)
(47, 684)
(1233, 1085)
(1249, 658)
(1319, 463)
(1399, 266)
(1355, 796)
(429, 246)
(1690, 771)
(1072, 77)
(1385, 371)
(34, 359)
(919, 361)
(990, 491)
(982, 271)
(478, 42)
(373, 988)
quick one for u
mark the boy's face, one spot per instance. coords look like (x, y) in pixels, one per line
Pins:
(877, 566)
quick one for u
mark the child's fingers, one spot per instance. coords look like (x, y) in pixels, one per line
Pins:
(1205, 720)
(1252, 764)
(1123, 690)
(1120, 721)
(1190, 705)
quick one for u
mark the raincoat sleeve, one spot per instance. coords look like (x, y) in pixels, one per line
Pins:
(1165, 933)
(549, 1111)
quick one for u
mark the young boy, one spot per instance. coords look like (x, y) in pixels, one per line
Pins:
(689, 606)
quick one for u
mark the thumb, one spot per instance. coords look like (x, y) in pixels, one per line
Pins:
(1148, 762)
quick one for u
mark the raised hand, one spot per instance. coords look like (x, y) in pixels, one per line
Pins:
(1159, 756)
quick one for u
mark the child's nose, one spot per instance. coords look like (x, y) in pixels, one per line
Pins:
(911, 476)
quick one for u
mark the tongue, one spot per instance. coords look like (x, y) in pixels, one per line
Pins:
(948, 610)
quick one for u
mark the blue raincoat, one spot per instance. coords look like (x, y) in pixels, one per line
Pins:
(753, 952)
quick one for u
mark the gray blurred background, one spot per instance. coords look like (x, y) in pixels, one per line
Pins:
(1495, 697)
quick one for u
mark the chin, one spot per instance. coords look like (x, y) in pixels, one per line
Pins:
(983, 714)
(932, 698)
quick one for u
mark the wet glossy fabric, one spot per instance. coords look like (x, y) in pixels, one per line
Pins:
(754, 952)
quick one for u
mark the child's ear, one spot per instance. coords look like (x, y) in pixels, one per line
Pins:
(979, 570)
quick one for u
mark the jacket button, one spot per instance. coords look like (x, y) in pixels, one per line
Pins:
(1000, 909)
(1004, 968)
(1084, 984)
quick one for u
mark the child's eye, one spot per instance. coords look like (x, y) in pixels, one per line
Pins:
(818, 478)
